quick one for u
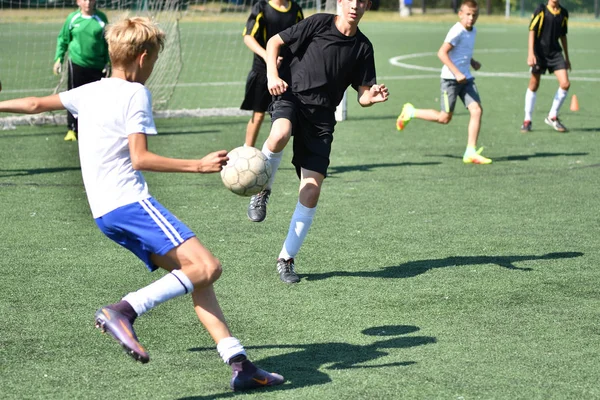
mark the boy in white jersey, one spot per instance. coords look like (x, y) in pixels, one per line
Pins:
(457, 81)
(115, 115)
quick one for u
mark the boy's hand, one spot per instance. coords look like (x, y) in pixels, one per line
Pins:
(57, 69)
(213, 162)
(531, 60)
(276, 85)
(460, 78)
(476, 65)
(379, 93)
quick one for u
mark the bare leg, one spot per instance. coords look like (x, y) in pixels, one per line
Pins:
(202, 269)
(253, 127)
(433, 115)
(474, 124)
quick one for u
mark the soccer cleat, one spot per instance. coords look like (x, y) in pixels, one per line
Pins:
(556, 124)
(71, 136)
(526, 127)
(476, 158)
(257, 210)
(120, 328)
(405, 116)
(248, 376)
(286, 269)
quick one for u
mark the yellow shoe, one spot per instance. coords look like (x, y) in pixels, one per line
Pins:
(408, 110)
(71, 136)
(476, 158)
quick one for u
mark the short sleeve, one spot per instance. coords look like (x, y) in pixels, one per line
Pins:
(255, 19)
(564, 28)
(366, 75)
(537, 18)
(69, 100)
(296, 35)
(139, 117)
(453, 36)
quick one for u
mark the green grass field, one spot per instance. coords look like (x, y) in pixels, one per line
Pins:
(422, 278)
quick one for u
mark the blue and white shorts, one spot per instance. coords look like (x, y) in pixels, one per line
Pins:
(145, 228)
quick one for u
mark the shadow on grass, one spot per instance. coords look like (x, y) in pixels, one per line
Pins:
(334, 170)
(4, 173)
(414, 268)
(301, 368)
(522, 157)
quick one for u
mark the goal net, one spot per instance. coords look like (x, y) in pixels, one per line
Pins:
(201, 71)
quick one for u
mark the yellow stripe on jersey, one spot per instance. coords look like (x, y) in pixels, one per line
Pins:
(256, 25)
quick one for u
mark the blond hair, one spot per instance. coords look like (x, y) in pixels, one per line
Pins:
(130, 37)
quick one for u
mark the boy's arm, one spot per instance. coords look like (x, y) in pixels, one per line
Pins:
(369, 95)
(32, 105)
(276, 85)
(144, 160)
(62, 44)
(253, 45)
(563, 41)
(531, 60)
(444, 56)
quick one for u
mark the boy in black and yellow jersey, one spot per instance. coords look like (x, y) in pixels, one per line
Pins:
(266, 19)
(547, 28)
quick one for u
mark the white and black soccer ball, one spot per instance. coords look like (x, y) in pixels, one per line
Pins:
(247, 172)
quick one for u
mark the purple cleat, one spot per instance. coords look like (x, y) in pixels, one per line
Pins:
(120, 328)
(248, 376)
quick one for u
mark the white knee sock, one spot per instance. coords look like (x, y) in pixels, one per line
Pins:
(559, 99)
(229, 348)
(169, 286)
(275, 159)
(301, 222)
(529, 103)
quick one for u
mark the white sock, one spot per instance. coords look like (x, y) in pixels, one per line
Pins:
(301, 222)
(529, 103)
(229, 348)
(169, 286)
(559, 99)
(275, 159)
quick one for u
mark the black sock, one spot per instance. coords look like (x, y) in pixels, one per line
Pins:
(238, 359)
(124, 308)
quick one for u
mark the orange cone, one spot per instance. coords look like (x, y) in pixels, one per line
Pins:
(574, 103)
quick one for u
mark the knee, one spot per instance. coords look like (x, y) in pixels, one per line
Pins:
(476, 110)
(565, 85)
(309, 195)
(204, 273)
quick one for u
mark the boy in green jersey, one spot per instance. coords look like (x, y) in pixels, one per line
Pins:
(83, 36)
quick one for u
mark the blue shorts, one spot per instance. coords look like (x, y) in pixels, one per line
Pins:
(145, 228)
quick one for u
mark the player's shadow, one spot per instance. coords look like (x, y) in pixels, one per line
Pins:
(4, 173)
(586, 130)
(414, 268)
(303, 365)
(340, 169)
(521, 157)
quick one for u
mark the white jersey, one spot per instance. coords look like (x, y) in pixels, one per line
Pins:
(108, 111)
(463, 43)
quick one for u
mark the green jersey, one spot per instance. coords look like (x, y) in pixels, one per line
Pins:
(83, 36)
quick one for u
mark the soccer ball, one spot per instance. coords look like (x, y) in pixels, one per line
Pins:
(247, 172)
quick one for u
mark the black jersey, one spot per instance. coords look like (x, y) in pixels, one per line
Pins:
(325, 62)
(549, 26)
(265, 21)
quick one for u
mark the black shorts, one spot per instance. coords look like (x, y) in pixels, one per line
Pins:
(312, 129)
(552, 62)
(257, 96)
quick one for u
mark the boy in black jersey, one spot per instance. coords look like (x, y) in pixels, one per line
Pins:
(548, 26)
(266, 19)
(328, 54)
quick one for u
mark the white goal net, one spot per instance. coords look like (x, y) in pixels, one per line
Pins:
(201, 72)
